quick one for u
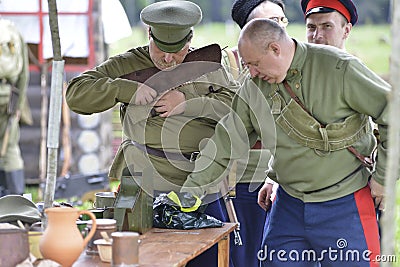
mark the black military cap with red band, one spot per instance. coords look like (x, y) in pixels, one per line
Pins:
(344, 7)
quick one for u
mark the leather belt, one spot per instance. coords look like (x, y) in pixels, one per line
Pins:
(164, 154)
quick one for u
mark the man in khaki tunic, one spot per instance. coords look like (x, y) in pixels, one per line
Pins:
(320, 98)
(167, 114)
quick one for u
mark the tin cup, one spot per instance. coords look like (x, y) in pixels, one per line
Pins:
(125, 249)
(104, 200)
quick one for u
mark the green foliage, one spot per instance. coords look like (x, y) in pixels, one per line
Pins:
(369, 11)
(33, 190)
(75, 201)
(371, 43)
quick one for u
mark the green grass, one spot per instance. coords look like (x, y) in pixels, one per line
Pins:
(372, 45)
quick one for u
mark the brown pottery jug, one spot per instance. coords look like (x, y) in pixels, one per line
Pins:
(61, 241)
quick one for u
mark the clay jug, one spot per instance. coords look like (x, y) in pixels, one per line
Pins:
(61, 241)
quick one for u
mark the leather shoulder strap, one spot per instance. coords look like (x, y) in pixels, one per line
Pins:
(210, 53)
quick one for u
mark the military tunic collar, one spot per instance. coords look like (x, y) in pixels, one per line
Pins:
(297, 62)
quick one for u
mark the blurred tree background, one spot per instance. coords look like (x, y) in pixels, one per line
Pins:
(369, 11)
(369, 40)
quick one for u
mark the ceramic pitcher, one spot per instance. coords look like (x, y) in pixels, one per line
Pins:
(61, 241)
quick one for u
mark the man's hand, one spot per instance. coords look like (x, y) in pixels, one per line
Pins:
(264, 196)
(377, 193)
(170, 103)
(144, 95)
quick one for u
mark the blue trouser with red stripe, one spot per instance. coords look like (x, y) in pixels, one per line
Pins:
(340, 232)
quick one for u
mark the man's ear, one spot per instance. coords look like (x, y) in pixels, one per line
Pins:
(275, 47)
(347, 30)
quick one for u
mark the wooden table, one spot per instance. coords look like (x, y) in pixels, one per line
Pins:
(169, 247)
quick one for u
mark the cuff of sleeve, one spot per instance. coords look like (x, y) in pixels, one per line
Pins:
(194, 106)
(269, 181)
(195, 191)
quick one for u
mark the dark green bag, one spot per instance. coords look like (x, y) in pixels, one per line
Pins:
(133, 206)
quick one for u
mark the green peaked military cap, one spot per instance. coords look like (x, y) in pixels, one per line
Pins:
(171, 23)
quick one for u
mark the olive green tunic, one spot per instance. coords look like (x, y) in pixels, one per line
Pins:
(253, 168)
(208, 99)
(333, 86)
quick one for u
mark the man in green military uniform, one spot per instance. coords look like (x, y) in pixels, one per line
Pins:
(166, 115)
(251, 171)
(324, 187)
(14, 77)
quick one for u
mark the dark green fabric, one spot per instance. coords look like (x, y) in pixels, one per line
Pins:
(14, 207)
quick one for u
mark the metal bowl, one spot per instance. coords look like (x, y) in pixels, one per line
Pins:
(14, 246)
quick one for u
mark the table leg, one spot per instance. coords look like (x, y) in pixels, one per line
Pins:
(223, 252)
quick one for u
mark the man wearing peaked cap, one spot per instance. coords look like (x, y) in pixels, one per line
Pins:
(161, 125)
(344, 7)
(171, 23)
(340, 15)
(250, 173)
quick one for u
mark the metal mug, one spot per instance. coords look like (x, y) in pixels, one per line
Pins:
(125, 249)
(104, 200)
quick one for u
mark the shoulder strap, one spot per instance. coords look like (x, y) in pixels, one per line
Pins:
(211, 53)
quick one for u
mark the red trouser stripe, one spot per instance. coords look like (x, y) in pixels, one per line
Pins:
(366, 211)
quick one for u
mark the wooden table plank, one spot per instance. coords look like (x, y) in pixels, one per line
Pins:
(170, 247)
